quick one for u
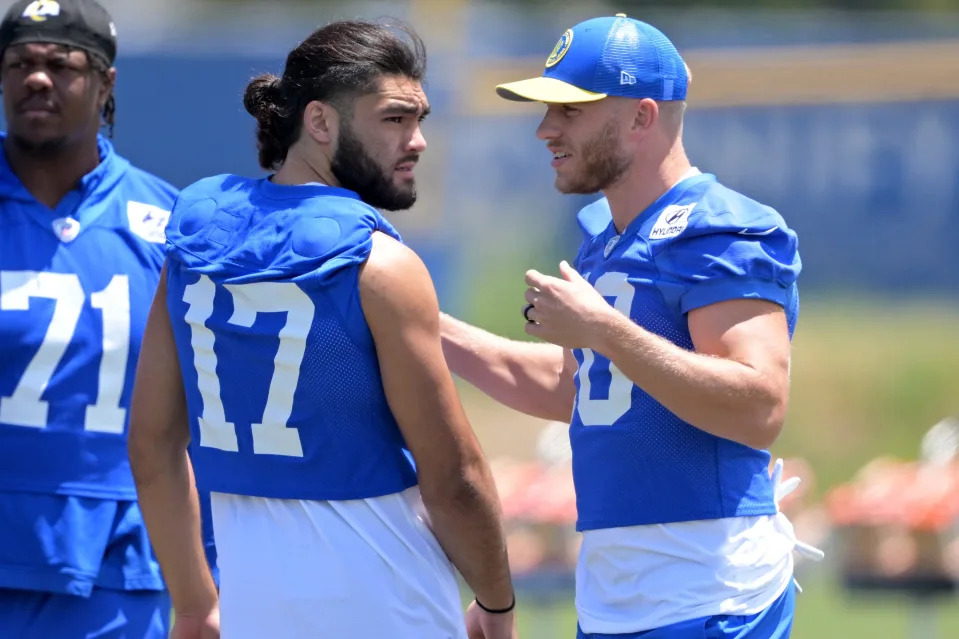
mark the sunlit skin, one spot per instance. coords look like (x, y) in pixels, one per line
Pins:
(585, 142)
(387, 124)
(629, 149)
(372, 146)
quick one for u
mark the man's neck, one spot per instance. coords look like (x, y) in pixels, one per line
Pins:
(297, 169)
(641, 186)
(50, 176)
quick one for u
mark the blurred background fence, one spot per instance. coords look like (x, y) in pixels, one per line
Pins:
(842, 115)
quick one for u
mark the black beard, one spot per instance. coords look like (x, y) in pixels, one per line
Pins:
(355, 170)
(602, 164)
(44, 149)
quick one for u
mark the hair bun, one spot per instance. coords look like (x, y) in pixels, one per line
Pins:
(262, 96)
(263, 99)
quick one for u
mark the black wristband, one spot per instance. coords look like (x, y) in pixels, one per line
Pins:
(501, 611)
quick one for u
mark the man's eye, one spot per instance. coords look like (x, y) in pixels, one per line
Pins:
(396, 118)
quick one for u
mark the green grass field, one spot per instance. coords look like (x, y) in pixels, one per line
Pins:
(823, 611)
(868, 380)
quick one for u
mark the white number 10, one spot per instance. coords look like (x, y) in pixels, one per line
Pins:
(24, 407)
(271, 436)
(619, 397)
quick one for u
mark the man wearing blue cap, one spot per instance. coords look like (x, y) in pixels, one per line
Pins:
(669, 353)
(81, 248)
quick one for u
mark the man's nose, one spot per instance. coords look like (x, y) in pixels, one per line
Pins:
(39, 80)
(547, 129)
(417, 142)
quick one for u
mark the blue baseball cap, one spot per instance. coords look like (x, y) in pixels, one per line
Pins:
(602, 57)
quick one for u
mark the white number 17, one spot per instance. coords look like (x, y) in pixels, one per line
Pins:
(272, 435)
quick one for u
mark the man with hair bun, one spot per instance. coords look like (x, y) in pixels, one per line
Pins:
(81, 248)
(294, 347)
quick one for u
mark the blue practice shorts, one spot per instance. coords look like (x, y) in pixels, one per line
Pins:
(105, 614)
(775, 622)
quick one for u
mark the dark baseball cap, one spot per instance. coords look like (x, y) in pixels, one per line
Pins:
(83, 24)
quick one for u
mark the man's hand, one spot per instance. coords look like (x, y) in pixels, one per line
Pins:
(197, 627)
(483, 625)
(568, 311)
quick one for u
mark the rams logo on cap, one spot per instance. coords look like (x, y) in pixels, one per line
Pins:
(40, 10)
(560, 49)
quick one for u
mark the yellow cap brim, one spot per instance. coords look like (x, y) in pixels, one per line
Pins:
(549, 90)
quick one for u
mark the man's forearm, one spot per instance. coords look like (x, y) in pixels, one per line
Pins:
(525, 376)
(466, 519)
(171, 510)
(720, 396)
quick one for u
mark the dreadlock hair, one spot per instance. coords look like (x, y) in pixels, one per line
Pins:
(99, 65)
(335, 64)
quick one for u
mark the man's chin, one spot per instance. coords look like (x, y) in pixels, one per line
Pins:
(402, 198)
(38, 144)
(397, 200)
(399, 203)
(572, 188)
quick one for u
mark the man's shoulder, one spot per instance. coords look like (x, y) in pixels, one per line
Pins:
(216, 184)
(239, 226)
(142, 185)
(137, 200)
(714, 208)
(723, 208)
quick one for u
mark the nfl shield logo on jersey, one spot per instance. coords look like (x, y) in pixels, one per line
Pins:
(610, 245)
(66, 228)
(148, 221)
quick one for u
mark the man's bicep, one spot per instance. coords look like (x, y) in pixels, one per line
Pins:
(752, 332)
(402, 312)
(418, 388)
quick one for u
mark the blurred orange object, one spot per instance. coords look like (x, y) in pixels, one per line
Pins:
(898, 521)
(889, 492)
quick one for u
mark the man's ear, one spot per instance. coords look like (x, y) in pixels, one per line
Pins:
(645, 114)
(106, 88)
(321, 122)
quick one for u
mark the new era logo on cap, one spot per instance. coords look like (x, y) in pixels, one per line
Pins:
(625, 78)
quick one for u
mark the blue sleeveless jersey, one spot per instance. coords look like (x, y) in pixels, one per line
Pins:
(635, 462)
(282, 382)
(76, 284)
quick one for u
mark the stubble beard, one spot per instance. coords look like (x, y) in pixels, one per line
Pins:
(44, 149)
(602, 164)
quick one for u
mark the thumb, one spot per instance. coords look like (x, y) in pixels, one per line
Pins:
(568, 272)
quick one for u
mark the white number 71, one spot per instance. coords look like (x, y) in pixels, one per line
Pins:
(24, 407)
